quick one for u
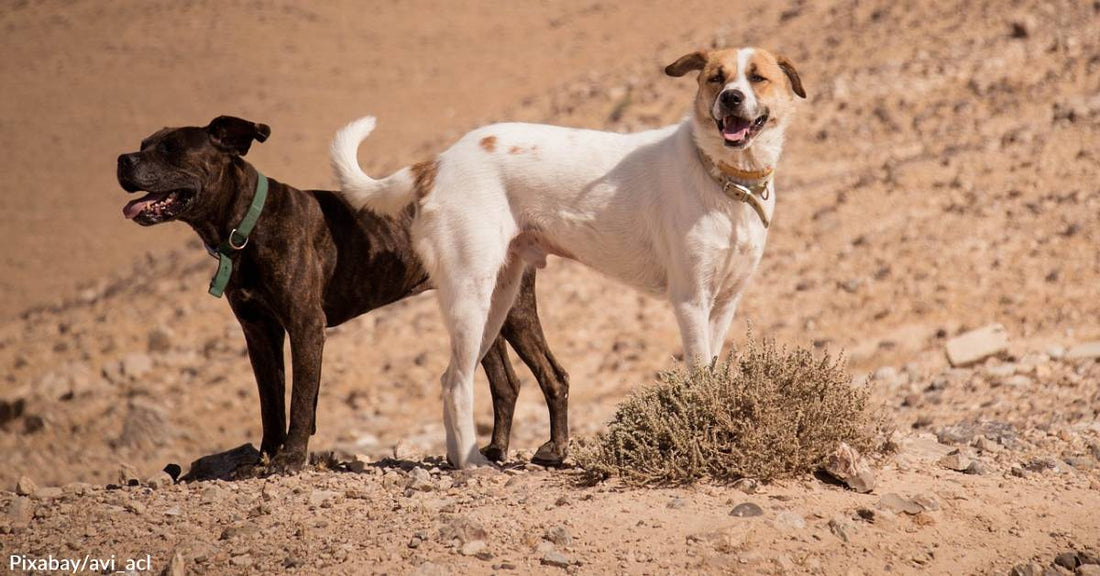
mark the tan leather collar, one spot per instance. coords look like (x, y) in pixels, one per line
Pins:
(748, 186)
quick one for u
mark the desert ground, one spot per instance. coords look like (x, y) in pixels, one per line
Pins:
(941, 177)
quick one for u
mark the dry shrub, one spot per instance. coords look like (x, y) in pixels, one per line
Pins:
(765, 413)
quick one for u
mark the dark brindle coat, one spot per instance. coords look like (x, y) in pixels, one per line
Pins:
(311, 263)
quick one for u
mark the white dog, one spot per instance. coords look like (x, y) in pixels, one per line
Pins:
(681, 212)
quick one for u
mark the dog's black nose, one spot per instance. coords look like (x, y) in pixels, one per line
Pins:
(126, 160)
(732, 98)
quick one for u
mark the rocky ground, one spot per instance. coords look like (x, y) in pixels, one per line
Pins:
(941, 179)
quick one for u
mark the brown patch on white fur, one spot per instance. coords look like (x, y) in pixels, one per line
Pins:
(423, 174)
(489, 143)
(777, 70)
(718, 67)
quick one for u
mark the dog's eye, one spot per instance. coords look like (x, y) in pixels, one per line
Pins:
(716, 79)
(167, 147)
(756, 79)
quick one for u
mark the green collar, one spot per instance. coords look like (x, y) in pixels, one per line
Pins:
(237, 239)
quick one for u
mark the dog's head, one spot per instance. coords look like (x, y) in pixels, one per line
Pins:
(179, 167)
(743, 92)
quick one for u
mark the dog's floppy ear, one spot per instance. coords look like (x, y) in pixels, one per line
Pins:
(688, 62)
(788, 68)
(235, 135)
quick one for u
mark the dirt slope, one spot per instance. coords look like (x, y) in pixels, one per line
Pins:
(942, 176)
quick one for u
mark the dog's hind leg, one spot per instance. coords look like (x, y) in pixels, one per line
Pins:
(504, 386)
(524, 332)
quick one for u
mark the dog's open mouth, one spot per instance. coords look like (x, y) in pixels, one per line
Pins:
(156, 207)
(737, 132)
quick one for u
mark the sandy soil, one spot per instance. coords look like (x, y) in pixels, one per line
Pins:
(942, 176)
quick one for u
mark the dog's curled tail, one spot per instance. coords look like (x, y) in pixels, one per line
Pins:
(387, 196)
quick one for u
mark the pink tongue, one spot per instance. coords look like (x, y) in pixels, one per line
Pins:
(135, 207)
(735, 136)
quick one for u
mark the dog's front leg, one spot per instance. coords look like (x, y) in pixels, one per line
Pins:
(693, 315)
(307, 342)
(265, 336)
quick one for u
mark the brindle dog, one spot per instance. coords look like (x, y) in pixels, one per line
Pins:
(308, 264)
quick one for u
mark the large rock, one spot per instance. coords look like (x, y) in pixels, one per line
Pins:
(222, 465)
(849, 467)
(977, 345)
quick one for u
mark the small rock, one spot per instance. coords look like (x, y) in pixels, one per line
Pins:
(1026, 570)
(555, 558)
(1088, 570)
(927, 502)
(445, 483)
(747, 485)
(896, 503)
(319, 498)
(976, 468)
(25, 486)
(977, 345)
(358, 463)
(405, 450)
(461, 528)
(1068, 560)
(48, 493)
(127, 475)
(847, 466)
(243, 560)
(746, 510)
(559, 535)
(842, 528)
(986, 445)
(676, 503)
(1056, 352)
(1085, 351)
(563, 501)
(20, 511)
(956, 461)
(136, 365)
(790, 520)
(159, 480)
(420, 480)
(173, 511)
(136, 507)
(159, 340)
(473, 548)
(176, 566)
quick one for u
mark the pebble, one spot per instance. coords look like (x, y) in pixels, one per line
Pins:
(177, 566)
(25, 486)
(319, 498)
(559, 535)
(127, 475)
(420, 480)
(48, 493)
(555, 558)
(842, 527)
(956, 461)
(847, 466)
(1084, 351)
(976, 468)
(977, 345)
(21, 511)
(896, 503)
(676, 503)
(136, 365)
(159, 480)
(746, 510)
(136, 507)
(788, 520)
(473, 548)
(747, 485)
(243, 560)
(358, 463)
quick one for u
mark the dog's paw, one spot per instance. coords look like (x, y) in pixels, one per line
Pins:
(288, 462)
(494, 453)
(550, 454)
